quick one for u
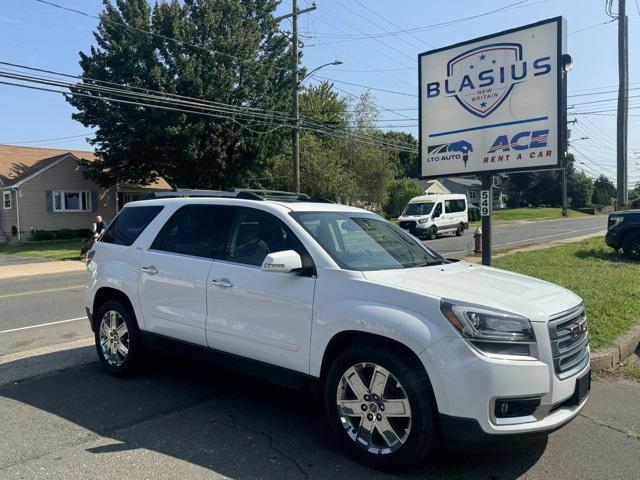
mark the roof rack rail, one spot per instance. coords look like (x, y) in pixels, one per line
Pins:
(282, 195)
(240, 193)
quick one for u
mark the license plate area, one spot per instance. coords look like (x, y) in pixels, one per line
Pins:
(583, 387)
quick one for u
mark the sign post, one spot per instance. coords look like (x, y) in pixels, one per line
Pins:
(486, 205)
(494, 104)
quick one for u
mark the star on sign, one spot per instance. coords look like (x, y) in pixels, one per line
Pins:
(470, 66)
(482, 56)
(493, 61)
(483, 104)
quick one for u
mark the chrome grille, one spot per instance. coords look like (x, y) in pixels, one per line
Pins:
(569, 341)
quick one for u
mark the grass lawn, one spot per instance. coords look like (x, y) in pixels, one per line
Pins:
(57, 250)
(608, 284)
(516, 214)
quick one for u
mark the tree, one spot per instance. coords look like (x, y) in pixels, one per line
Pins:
(580, 189)
(603, 191)
(400, 192)
(408, 162)
(635, 193)
(227, 51)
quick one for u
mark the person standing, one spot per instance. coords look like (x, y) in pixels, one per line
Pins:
(99, 226)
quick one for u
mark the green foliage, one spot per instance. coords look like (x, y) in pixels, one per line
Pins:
(56, 249)
(474, 214)
(245, 62)
(408, 162)
(579, 189)
(603, 191)
(400, 192)
(64, 234)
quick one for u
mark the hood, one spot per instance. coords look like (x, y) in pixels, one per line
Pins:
(486, 286)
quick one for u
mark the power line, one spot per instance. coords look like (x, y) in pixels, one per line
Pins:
(45, 139)
(366, 86)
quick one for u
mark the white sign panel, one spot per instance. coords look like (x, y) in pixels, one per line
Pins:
(493, 104)
(485, 204)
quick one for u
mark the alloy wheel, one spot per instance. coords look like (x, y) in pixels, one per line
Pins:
(114, 338)
(373, 408)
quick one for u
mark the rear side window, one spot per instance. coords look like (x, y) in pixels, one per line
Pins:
(196, 230)
(455, 206)
(129, 224)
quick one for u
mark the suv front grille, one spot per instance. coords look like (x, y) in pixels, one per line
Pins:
(569, 341)
(408, 224)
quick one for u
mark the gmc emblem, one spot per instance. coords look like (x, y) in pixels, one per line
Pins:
(577, 331)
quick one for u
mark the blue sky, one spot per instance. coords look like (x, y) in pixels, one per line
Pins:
(35, 34)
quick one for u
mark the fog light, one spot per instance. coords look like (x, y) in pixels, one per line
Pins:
(516, 407)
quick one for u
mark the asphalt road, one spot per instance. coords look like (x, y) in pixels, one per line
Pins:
(513, 234)
(186, 418)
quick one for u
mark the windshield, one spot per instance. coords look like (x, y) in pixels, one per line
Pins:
(366, 242)
(418, 209)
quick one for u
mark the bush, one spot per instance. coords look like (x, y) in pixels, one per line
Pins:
(474, 214)
(400, 192)
(64, 234)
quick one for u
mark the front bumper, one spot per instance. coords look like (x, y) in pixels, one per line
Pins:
(612, 239)
(467, 383)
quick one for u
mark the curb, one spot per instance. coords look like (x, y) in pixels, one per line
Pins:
(41, 268)
(623, 347)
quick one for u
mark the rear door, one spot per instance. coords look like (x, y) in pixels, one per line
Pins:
(264, 316)
(173, 278)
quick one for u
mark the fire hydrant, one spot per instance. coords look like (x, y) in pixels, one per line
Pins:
(477, 237)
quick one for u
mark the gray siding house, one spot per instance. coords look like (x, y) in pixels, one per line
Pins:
(45, 189)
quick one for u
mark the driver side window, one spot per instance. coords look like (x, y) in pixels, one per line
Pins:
(254, 234)
(438, 210)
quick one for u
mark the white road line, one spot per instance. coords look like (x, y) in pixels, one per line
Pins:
(43, 325)
(37, 292)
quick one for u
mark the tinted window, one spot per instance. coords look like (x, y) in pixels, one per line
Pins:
(437, 211)
(365, 243)
(254, 234)
(195, 230)
(129, 224)
(454, 206)
(423, 208)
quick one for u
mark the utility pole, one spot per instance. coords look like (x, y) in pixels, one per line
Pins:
(623, 105)
(295, 110)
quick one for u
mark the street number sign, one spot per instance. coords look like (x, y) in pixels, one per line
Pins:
(485, 204)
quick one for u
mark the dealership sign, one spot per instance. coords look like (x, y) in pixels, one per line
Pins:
(495, 103)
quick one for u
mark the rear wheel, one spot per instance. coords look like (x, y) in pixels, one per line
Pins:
(631, 246)
(460, 230)
(380, 407)
(117, 338)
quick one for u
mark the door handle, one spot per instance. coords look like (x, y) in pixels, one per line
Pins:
(222, 282)
(151, 270)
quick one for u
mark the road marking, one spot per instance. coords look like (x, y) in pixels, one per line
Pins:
(43, 325)
(84, 342)
(36, 292)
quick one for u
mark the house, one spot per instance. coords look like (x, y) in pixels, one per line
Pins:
(467, 186)
(45, 189)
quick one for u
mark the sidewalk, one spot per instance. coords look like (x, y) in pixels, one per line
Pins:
(39, 267)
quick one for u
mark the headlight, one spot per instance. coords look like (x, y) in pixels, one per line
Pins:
(423, 220)
(613, 221)
(491, 331)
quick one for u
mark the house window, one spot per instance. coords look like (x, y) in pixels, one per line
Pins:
(472, 194)
(71, 201)
(6, 200)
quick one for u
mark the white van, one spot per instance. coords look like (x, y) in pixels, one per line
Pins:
(427, 216)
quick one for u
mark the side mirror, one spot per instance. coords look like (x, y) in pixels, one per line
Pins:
(282, 262)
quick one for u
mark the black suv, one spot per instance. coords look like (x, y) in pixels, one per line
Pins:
(623, 231)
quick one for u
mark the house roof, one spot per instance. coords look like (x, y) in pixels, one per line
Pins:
(18, 163)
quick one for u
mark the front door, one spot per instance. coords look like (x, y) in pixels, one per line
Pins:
(175, 269)
(264, 316)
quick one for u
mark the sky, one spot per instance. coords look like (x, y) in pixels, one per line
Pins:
(366, 36)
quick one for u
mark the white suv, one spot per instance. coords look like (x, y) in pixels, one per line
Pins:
(407, 346)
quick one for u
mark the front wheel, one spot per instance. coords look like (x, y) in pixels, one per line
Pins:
(117, 338)
(631, 246)
(380, 408)
(460, 230)
(431, 233)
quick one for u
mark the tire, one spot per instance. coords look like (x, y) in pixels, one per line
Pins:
(413, 437)
(631, 246)
(460, 230)
(431, 233)
(119, 344)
